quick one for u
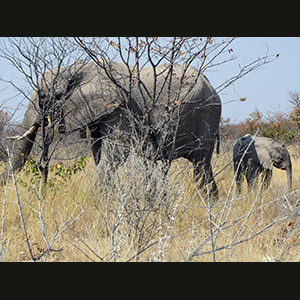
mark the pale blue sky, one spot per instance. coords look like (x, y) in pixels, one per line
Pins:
(266, 88)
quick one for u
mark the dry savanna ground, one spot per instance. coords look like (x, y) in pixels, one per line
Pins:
(136, 214)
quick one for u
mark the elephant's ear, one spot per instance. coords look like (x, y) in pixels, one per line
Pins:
(262, 156)
(92, 96)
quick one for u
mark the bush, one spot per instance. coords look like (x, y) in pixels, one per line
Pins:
(276, 124)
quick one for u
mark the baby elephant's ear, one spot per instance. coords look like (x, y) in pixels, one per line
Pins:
(280, 157)
(262, 156)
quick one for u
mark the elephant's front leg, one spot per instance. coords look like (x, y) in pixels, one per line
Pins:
(48, 136)
(96, 144)
(96, 149)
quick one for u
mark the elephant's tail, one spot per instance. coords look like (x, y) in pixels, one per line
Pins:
(218, 143)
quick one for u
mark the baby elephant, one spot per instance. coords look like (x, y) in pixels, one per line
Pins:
(254, 155)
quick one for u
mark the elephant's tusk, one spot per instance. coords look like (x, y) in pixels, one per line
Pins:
(19, 137)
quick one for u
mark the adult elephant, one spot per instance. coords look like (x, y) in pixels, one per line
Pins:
(176, 107)
(253, 155)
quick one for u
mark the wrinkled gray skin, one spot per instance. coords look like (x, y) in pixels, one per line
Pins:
(253, 155)
(82, 96)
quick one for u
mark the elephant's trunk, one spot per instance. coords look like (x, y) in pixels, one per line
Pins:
(21, 148)
(24, 141)
(289, 174)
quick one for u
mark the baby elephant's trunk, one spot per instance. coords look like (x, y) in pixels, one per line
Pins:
(289, 177)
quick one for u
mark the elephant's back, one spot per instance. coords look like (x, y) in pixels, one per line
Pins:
(187, 91)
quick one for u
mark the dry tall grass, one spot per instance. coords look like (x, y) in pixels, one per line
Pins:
(138, 215)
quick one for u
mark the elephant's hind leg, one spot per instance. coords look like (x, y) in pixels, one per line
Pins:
(239, 180)
(267, 176)
(203, 173)
(252, 174)
(238, 167)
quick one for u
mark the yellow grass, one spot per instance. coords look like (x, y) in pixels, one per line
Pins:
(83, 211)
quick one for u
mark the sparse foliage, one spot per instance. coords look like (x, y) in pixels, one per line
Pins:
(278, 125)
(295, 113)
